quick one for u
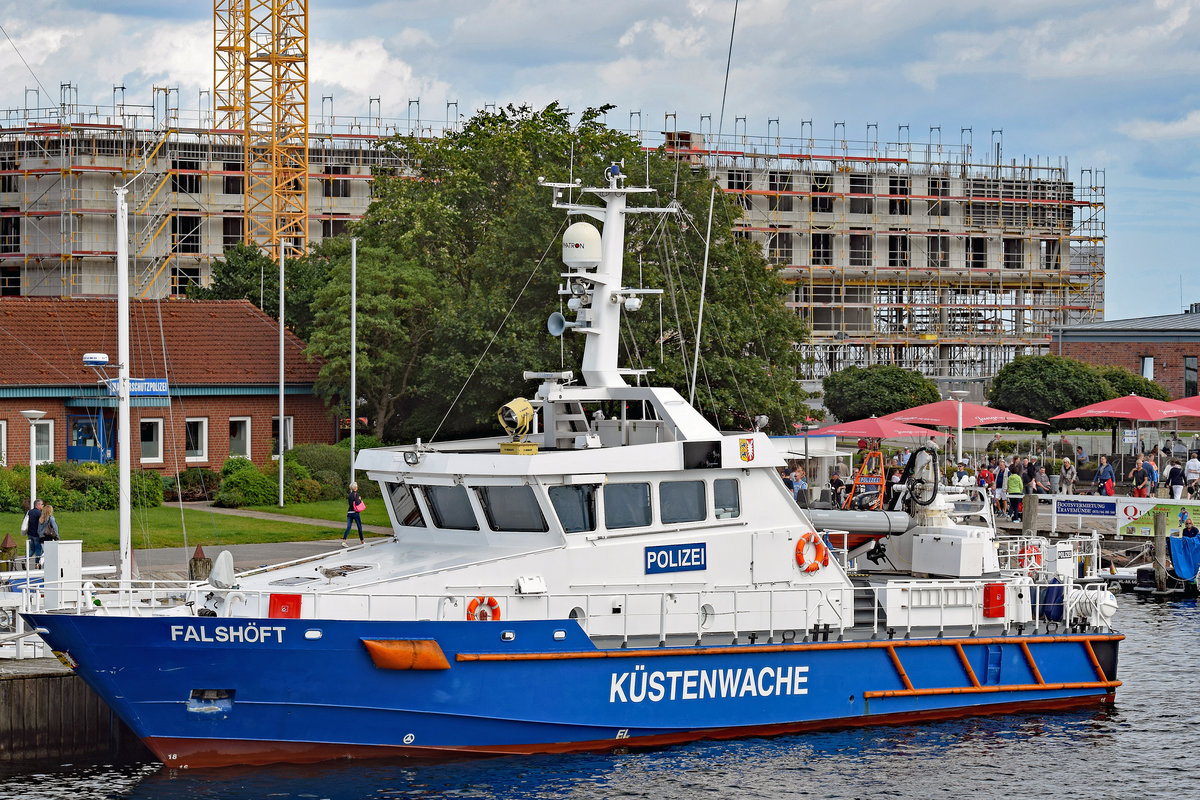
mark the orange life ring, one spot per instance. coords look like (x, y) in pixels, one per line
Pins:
(482, 609)
(820, 552)
(1031, 557)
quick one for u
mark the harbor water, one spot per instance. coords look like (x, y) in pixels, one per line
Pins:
(1143, 747)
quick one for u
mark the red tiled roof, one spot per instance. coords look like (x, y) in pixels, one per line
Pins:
(43, 339)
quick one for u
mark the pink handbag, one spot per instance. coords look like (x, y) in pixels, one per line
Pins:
(360, 506)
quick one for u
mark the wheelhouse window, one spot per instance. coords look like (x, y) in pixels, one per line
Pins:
(681, 501)
(726, 500)
(626, 505)
(404, 505)
(512, 509)
(575, 506)
(451, 508)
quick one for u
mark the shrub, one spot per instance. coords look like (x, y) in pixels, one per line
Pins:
(361, 442)
(322, 457)
(146, 489)
(247, 487)
(332, 484)
(305, 490)
(196, 483)
(235, 464)
(9, 499)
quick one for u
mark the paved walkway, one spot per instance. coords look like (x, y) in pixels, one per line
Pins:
(169, 563)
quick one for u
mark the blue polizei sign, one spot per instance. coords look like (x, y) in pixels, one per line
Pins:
(676, 558)
(141, 387)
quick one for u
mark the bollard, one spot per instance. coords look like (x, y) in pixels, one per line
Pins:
(1160, 551)
(8, 552)
(1029, 513)
(199, 567)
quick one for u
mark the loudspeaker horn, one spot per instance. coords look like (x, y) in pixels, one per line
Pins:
(558, 323)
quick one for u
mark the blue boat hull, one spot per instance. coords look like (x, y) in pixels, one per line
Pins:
(205, 692)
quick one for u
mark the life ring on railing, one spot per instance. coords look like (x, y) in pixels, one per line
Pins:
(820, 552)
(1030, 558)
(481, 609)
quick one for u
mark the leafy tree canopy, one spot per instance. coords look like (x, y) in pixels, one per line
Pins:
(1124, 382)
(246, 273)
(860, 392)
(463, 251)
(1045, 386)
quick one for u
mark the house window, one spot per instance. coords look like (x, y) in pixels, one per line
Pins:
(43, 441)
(3, 443)
(738, 181)
(185, 183)
(333, 227)
(939, 252)
(822, 249)
(860, 185)
(779, 248)
(862, 250)
(898, 251)
(1014, 254)
(1051, 254)
(183, 277)
(780, 184)
(333, 187)
(898, 188)
(1190, 387)
(1148, 367)
(939, 188)
(235, 184)
(195, 446)
(977, 252)
(822, 184)
(287, 436)
(239, 437)
(10, 230)
(185, 234)
(232, 232)
(152, 441)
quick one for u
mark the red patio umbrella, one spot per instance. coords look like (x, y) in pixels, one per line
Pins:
(945, 412)
(1132, 407)
(875, 428)
(1191, 404)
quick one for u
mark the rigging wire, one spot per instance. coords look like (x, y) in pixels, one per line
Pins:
(712, 199)
(496, 333)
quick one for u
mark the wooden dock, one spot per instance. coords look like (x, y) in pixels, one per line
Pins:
(48, 712)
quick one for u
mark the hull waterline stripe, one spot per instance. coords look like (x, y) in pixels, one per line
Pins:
(204, 753)
(779, 648)
(1020, 687)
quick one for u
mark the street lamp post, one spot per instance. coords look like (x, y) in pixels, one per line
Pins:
(959, 394)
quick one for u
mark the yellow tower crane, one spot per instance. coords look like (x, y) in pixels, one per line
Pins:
(260, 80)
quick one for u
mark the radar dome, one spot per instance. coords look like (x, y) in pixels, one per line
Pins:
(581, 246)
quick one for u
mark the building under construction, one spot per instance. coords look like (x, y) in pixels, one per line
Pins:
(917, 255)
(920, 256)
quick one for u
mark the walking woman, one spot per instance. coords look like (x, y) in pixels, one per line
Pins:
(47, 528)
(354, 506)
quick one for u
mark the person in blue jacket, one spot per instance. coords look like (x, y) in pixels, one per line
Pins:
(1104, 473)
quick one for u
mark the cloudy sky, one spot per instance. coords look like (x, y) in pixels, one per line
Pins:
(1109, 85)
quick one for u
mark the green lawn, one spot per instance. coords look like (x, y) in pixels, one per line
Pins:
(161, 527)
(335, 510)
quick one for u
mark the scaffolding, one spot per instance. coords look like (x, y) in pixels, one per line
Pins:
(916, 255)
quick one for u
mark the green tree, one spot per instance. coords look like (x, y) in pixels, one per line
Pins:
(399, 304)
(1045, 386)
(1124, 382)
(246, 273)
(857, 392)
(470, 211)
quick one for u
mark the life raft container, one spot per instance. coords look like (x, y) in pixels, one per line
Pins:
(482, 609)
(820, 552)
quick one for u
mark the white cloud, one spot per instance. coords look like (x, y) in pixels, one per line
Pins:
(1153, 130)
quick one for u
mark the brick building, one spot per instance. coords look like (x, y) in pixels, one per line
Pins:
(1164, 348)
(220, 361)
